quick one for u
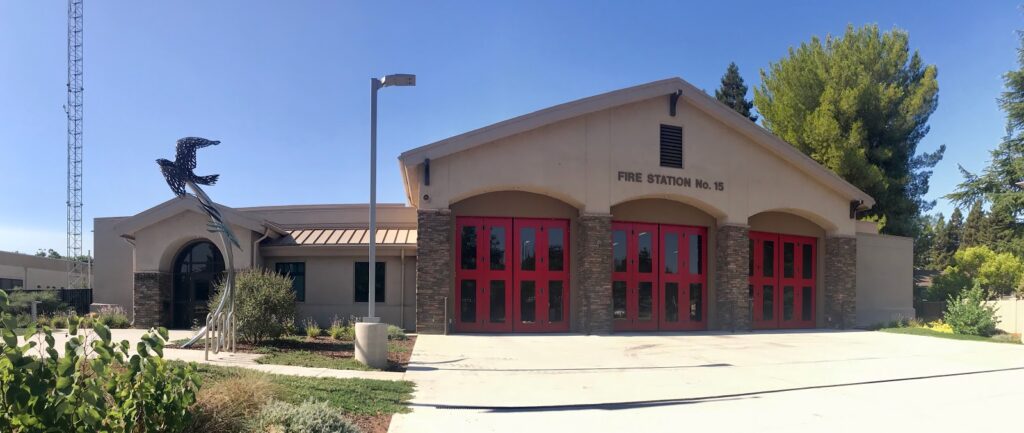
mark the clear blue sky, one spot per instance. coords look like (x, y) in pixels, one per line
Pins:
(284, 85)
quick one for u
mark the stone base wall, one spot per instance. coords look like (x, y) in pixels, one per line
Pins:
(433, 269)
(594, 252)
(152, 299)
(840, 282)
(731, 278)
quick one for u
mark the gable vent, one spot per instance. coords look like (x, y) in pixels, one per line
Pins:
(671, 146)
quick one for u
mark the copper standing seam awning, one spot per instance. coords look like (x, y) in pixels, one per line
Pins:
(346, 237)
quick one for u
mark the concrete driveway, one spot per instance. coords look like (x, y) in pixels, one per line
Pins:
(767, 382)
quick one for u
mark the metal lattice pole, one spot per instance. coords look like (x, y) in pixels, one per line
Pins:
(77, 278)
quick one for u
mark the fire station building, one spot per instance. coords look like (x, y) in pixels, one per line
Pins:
(650, 208)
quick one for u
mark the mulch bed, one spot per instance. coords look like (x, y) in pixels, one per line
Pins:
(397, 360)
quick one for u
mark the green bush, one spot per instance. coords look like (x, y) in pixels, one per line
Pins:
(340, 331)
(113, 316)
(97, 385)
(264, 304)
(312, 328)
(59, 321)
(949, 284)
(308, 417)
(49, 303)
(396, 333)
(969, 314)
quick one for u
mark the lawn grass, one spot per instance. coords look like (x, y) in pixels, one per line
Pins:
(1000, 338)
(362, 397)
(303, 358)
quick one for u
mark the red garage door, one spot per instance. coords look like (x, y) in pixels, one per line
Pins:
(511, 274)
(782, 280)
(659, 277)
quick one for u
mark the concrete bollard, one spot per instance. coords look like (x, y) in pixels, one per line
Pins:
(372, 344)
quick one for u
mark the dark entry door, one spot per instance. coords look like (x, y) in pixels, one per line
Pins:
(483, 286)
(683, 277)
(541, 275)
(634, 276)
(197, 268)
(782, 280)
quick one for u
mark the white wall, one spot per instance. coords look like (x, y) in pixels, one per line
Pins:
(1010, 312)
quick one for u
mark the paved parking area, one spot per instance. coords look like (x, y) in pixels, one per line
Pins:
(808, 381)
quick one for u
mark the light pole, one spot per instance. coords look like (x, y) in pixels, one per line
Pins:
(377, 84)
(371, 335)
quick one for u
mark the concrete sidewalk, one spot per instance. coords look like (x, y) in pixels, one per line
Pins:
(807, 381)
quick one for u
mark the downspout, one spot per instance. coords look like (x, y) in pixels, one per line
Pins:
(252, 254)
(402, 309)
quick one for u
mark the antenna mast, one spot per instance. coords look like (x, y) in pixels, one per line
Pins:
(77, 278)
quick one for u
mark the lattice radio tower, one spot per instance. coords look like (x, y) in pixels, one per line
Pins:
(77, 278)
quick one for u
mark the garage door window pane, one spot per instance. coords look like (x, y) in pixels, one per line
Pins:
(497, 301)
(619, 299)
(528, 249)
(497, 247)
(768, 303)
(645, 252)
(671, 302)
(806, 300)
(768, 258)
(808, 259)
(645, 299)
(528, 301)
(619, 250)
(696, 258)
(787, 302)
(671, 253)
(467, 301)
(556, 249)
(555, 301)
(468, 247)
(696, 302)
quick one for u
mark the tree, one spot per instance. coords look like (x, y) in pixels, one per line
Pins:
(947, 241)
(859, 104)
(996, 185)
(49, 253)
(924, 242)
(975, 231)
(733, 92)
(939, 244)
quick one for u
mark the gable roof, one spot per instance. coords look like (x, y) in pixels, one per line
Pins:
(604, 101)
(177, 205)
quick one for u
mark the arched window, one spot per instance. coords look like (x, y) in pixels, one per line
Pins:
(197, 268)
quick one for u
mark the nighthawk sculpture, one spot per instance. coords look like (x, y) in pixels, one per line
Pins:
(219, 331)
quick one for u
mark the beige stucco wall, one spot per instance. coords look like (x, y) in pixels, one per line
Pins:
(578, 160)
(330, 284)
(1010, 312)
(35, 272)
(157, 245)
(885, 278)
(114, 277)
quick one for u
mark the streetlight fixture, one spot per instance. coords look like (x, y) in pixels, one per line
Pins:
(375, 85)
(371, 335)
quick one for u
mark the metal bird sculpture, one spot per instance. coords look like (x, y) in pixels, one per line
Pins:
(179, 172)
(220, 326)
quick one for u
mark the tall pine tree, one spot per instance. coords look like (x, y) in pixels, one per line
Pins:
(975, 232)
(859, 104)
(996, 185)
(939, 244)
(733, 92)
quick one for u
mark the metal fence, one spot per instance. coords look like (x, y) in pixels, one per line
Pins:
(77, 299)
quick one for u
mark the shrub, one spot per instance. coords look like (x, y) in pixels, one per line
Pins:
(97, 385)
(312, 328)
(996, 273)
(59, 321)
(308, 417)
(949, 284)
(340, 331)
(21, 302)
(231, 405)
(396, 333)
(113, 316)
(264, 304)
(969, 314)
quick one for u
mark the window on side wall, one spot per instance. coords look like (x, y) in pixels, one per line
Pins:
(297, 272)
(363, 281)
(671, 146)
(11, 283)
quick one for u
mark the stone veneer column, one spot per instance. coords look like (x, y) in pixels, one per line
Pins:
(731, 277)
(840, 282)
(595, 274)
(433, 269)
(151, 300)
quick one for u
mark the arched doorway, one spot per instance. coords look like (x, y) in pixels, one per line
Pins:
(196, 270)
